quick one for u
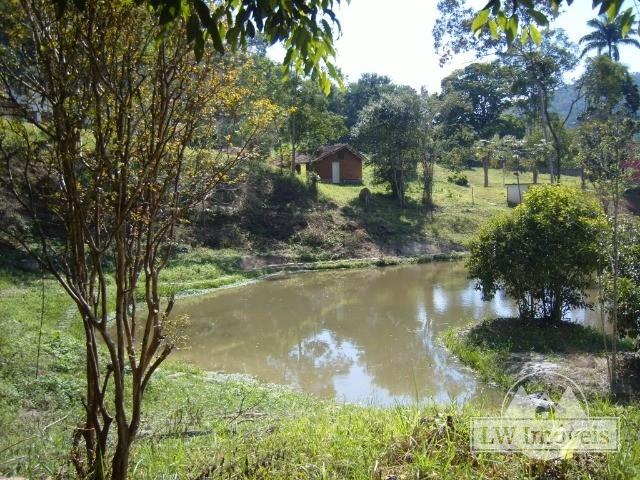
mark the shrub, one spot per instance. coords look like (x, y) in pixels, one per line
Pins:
(312, 181)
(542, 254)
(458, 178)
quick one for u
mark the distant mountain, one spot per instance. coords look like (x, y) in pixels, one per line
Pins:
(565, 95)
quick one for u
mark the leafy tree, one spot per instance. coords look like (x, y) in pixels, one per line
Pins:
(305, 120)
(606, 150)
(305, 28)
(605, 145)
(388, 130)
(428, 144)
(454, 136)
(538, 66)
(538, 74)
(369, 88)
(114, 166)
(537, 152)
(521, 18)
(486, 87)
(543, 254)
(484, 152)
(628, 287)
(607, 35)
(609, 89)
(310, 123)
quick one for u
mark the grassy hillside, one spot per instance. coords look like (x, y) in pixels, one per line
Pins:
(277, 215)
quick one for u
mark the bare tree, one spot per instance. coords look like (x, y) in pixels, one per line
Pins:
(103, 174)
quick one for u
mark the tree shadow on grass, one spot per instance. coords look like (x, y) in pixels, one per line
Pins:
(391, 227)
(271, 207)
(515, 335)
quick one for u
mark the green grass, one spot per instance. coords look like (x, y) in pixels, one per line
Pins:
(487, 346)
(197, 424)
(485, 361)
(459, 211)
(282, 217)
(514, 335)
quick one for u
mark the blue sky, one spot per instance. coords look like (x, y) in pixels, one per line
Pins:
(394, 39)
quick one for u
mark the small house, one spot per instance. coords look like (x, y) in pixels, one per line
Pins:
(339, 163)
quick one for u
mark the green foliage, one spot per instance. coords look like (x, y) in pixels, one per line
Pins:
(607, 34)
(369, 88)
(310, 124)
(453, 136)
(458, 178)
(521, 336)
(305, 28)
(387, 129)
(628, 281)
(606, 150)
(537, 151)
(609, 89)
(486, 87)
(542, 254)
(502, 16)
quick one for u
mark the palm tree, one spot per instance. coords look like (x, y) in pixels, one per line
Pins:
(607, 36)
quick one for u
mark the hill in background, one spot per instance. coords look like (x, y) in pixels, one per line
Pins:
(565, 95)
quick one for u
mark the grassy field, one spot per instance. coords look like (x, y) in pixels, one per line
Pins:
(292, 222)
(489, 346)
(458, 214)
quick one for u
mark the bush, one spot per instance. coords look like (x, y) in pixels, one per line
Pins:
(542, 254)
(312, 181)
(458, 178)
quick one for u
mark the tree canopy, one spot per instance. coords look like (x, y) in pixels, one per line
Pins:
(306, 28)
(543, 253)
(388, 130)
(606, 36)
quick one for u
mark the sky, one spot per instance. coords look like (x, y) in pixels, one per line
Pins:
(394, 39)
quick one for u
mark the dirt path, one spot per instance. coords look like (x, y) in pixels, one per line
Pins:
(588, 370)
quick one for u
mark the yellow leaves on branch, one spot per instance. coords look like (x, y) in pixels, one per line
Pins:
(263, 113)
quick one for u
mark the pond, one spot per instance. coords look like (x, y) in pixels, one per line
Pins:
(366, 336)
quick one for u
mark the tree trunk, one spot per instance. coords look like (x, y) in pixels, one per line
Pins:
(557, 146)
(120, 462)
(293, 136)
(427, 184)
(556, 314)
(398, 183)
(485, 167)
(614, 306)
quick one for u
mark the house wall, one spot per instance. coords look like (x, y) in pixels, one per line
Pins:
(350, 167)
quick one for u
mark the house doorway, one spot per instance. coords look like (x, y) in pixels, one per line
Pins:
(335, 172)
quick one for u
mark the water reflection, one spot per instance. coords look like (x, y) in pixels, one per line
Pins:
(357, 336)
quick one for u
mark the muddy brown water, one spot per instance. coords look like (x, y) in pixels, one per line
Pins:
(364, 336)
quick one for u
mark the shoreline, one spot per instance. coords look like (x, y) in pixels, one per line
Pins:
(500, 351)
(274, 270)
